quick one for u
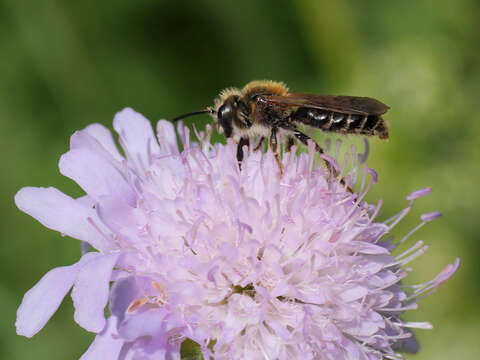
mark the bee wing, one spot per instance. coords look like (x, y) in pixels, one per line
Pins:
(341, 104)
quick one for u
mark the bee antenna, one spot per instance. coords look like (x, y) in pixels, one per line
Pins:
(207, 110)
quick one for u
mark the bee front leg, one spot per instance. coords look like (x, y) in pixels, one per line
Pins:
(274, 147)
(243, 141)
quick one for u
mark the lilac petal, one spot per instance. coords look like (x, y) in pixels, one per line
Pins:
(367, 326)
(366, 248)
(40, 302)
(107, 344)
(148, 323)
(124, 292)
(430, 216)
(137, 137)
(60, 212)
(90, 292)
(167, 137)
(353, 293)
(86, 200)
(165, 348)
(419, 193)
(119, 216)
(181, 131)
(105, 138)
(83, 140)
(153, 323)
(96, 175)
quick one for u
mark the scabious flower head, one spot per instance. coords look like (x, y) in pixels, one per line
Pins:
(248, 264)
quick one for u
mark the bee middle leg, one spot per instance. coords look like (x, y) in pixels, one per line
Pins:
(243, 141)
(260, 143)
(274, 148)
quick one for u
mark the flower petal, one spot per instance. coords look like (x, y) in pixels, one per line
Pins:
(353, 293)
(137, 138)
(150, 323)
(167, 137)
(83, 140)
(96, 175)
(124, 292)
(60, 212)
(167, 348)
(105, 138)
(107, 345)
(40, 302)
(90, 292)
(120, 217)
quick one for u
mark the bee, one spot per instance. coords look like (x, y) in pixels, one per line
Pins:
(267, 109)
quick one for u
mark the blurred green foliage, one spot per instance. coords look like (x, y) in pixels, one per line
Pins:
(66, 64)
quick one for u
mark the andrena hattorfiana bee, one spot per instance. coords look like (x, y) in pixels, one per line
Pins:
(267, 109)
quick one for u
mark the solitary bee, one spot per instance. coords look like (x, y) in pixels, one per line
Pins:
(268, 109)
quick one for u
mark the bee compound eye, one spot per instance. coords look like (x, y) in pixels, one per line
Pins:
(225, 118)
(225, 111)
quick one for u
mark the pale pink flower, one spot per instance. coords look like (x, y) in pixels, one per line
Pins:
(248, 264)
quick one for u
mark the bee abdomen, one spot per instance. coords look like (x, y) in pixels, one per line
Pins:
(368, 125)
(312, 117)
(332, 121)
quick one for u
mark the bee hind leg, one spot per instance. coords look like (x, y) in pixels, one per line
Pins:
(303, 138)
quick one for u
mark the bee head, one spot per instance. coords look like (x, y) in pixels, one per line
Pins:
(229, 112)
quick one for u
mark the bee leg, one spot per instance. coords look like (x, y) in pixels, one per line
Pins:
(325, 164)
(260, 143)
(274, 147)
(241, 144)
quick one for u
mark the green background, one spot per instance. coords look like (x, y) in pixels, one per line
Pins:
(66, 64)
